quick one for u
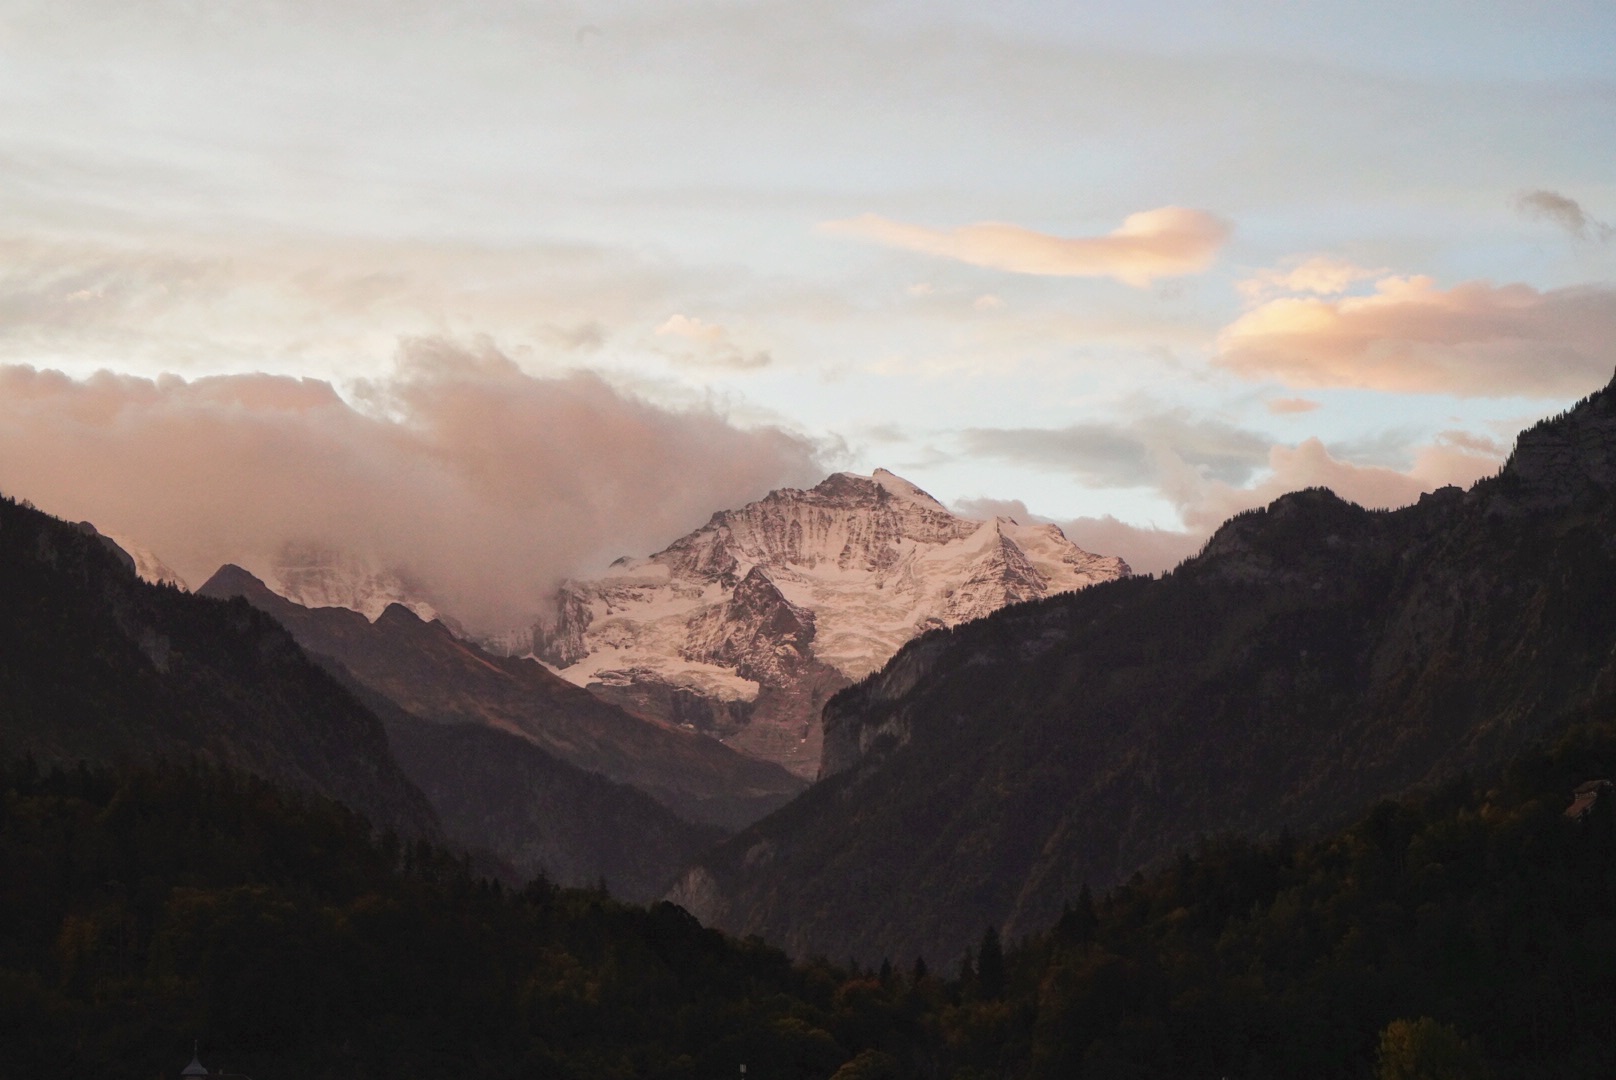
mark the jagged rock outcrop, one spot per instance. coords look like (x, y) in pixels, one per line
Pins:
(1314, 657)
(745, 627)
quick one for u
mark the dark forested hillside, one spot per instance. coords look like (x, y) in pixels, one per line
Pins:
(140, 908)
(1467, 934)
(1314, 657)
(97, 665)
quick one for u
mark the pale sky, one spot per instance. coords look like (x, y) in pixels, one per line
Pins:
(1155, 262)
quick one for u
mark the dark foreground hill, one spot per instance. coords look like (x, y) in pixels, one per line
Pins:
(1314, 657)
(97, 665)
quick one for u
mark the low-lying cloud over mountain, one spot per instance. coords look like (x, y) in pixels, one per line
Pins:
(482, 482)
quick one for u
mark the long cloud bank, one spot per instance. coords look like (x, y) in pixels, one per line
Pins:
(1409, 336)
(1167, 242)
(483, 483)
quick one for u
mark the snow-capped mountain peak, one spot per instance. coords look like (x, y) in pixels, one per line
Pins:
(744, 626)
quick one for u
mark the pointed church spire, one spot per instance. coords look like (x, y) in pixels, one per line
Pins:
(195, 1068)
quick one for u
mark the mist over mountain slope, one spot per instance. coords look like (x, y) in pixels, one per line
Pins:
(432, 675)
(1314, 657)
(746, 626)
(97, 665)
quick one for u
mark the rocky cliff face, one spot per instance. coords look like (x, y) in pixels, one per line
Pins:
(1315, 657)
(743, 628)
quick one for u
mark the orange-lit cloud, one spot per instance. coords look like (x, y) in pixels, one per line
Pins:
(1167, 242)
(481, 482)
(1287, 406)
(1409, 336)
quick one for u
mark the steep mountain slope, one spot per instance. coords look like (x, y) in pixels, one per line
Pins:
(745, 627)
(500, 793)
(432, 675)
(97, 665)
(1313, 657)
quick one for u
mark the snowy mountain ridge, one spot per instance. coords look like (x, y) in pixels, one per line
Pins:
(745, 626)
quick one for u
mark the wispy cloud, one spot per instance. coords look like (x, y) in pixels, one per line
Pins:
(1319, 275)
(1208, 471)
(709, 345)
(1565, 212)
(1168, 242)
(1132, 454)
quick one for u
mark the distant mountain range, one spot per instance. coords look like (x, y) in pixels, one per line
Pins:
(745, 627)
(1314, 657)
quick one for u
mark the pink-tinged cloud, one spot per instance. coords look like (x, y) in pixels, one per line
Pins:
(1476, 339)
(1167, 242)
(461, 472)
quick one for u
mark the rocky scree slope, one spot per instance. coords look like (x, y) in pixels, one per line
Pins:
(1314, 657)
(97, 665)
(745, 627)
(428, 673)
